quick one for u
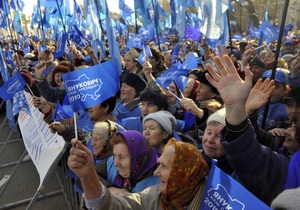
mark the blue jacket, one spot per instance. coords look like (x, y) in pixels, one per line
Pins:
(293, 177)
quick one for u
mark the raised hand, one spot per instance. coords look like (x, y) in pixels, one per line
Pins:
(259, 95)
(81, 160)
(233, 90)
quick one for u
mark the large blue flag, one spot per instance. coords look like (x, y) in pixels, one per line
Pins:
(190, 62)
(91, 86)
(12, 86)
(62, 112)
(223, 192)
(169, 75)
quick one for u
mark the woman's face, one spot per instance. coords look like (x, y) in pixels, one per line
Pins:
(58, 79)
(211, 141)
(127, 93)
(130, 63)
(98, 142)
(154, 133)
(122, 159)
(204, 92)
(164, 169)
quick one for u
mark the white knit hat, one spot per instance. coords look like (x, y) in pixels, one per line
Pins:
(218, 116)
(288, 199)
(164, 118)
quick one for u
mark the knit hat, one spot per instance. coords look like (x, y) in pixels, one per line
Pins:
(136, 82)
(256, 61)
(218, 116)
(293, 94)
(288, 199)
(164, 118)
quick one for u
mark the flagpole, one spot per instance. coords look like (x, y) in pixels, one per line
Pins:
(135, 15)
(40, 11)
(278, 46)
(157, 35)
(229, 31)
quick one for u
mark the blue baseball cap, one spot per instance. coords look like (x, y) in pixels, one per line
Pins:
(289, 42)
(279, 75)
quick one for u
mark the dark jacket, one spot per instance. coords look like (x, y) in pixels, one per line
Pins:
(262, 171)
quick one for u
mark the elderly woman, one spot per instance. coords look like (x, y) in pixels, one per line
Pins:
(159, 127)
(128, 103)
(131, 167)
(181, 171)
(100, 142)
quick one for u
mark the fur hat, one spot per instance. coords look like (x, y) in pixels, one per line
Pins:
(218, 116)
(288, 199)
(164, 118)
(202, 79)
(136, 82)
(256, 61)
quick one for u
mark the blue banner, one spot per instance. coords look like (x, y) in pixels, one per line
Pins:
(91, 86)
(223, 192)
(12, 86)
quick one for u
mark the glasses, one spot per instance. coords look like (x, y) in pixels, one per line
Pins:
(120, 157)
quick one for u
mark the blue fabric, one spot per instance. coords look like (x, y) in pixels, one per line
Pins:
(121, 112)
(223, 192)
(132, 123)
(293, 177)
(12, 86)
(91, 86)
(276, 114)
(84, 122)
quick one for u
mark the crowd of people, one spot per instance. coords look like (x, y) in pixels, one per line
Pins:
(151, 147)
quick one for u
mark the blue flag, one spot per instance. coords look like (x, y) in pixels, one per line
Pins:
(175, 53)
(20, 103)
(61, 46)
(190, 62)
(169, 75)
(17, 5)
(3, 69)
(146, 52)
(51, 3)
(12, 86)
(62, 112)
(135, 42)
(223, 192)
(91, 86)
(17, 23)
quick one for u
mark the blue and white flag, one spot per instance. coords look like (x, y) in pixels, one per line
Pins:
(135, 42)
(20, 103)
(223, 192)
(146, 52)
(61, 46)
(62, 112)
(51, 3)
(169, 75)
(17, 5)
(190, 62)
(91, 86)
(12, 86)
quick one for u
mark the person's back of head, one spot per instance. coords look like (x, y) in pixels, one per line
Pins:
(287, 200)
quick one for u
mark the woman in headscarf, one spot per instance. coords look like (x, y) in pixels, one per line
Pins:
(131, 167)
(181, 171)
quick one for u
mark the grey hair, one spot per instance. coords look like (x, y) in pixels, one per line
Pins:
(102, 128)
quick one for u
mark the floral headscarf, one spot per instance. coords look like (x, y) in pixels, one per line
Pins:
(143, 158)
(187, 174)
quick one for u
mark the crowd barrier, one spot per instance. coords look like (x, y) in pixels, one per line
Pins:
(11, 171)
